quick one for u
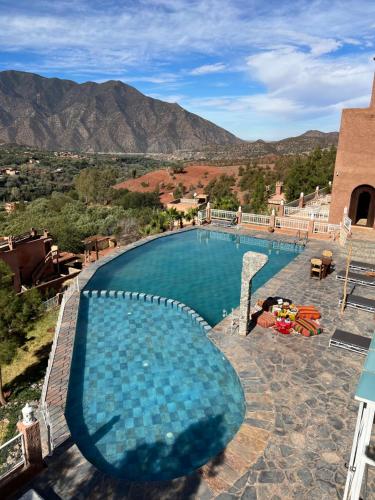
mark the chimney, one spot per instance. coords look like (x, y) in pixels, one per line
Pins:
(279, 187)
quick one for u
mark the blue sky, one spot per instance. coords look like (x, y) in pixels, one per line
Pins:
(259, 68)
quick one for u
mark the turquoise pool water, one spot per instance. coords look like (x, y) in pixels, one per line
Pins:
(150, 397)
(200, 268)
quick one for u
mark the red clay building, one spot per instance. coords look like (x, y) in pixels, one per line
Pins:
(30, 258)
(354, 178)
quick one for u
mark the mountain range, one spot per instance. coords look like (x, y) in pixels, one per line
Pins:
(56, 114)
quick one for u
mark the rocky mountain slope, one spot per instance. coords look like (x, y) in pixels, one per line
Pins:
(50, 113)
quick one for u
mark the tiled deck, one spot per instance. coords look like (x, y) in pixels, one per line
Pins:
(300, 416)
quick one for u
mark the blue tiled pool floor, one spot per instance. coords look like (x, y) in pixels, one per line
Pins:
(150, 397)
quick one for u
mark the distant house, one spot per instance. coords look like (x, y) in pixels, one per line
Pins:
(187, 203)
(278, 198)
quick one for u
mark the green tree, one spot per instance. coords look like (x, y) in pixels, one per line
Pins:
(258, 200)
(12, 321)
(221, 193)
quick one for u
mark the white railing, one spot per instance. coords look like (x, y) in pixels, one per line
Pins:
(12, 455)
(222, 214)
(51, 303)
(44, 407)
(307, 212)
(347, 223)
(289, 223)
(325, 227)
(202, 216)
(311, 197)
(259, 220)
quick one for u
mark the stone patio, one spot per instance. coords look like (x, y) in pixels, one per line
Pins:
(300, 417)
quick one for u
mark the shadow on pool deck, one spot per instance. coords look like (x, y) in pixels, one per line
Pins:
(70, 475)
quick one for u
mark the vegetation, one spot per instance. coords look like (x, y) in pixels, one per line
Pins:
(23, 377)
(221, 193)
(16, 312)
(304, 173)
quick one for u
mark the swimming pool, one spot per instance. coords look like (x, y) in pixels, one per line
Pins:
(150, 397)
(200, 268)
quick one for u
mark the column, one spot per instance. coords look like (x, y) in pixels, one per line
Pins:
(252, 262)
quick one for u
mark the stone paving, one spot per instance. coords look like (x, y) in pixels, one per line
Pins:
(300, 415)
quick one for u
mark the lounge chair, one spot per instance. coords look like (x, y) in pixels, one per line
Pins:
(360, 279)
(223, 222)
(359, 303)
(361, 266)
(350, 341)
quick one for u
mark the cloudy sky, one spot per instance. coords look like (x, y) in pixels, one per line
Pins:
(261, 69)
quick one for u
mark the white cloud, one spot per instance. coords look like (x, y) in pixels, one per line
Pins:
(206, 69)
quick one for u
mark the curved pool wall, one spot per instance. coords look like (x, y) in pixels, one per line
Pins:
(150, 396)
(201, 268)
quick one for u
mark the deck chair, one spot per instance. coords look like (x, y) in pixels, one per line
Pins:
(360, 279)
(350, 342)
(316, 269)
(361, 266)
(357, 302)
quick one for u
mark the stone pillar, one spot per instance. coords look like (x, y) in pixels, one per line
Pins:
(317, 192)
(252, 262)
(281, 209)
(239, 215)
(301, 201)
(208, 211)
(29, 427)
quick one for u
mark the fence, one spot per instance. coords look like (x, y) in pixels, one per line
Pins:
(223, 214)
(289, 223)
(307, 212)
(12, 455)
(202, 216)
(311, 198)
(259, 220)
(52, 303)
(325, 228)
(347, 223)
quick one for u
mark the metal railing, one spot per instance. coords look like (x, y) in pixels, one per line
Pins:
(52, 302)
(309, 198)
(222, 214)
(260, 220)
(347, 223)
(325, 227)
(289, 223)
(12, 455)
(202, 216)
(318, 212)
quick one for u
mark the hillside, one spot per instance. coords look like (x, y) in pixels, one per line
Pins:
(55, 114)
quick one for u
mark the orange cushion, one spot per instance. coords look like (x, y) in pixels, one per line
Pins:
(266, 320)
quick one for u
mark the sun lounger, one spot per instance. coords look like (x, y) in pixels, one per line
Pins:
(350, 342)
(361, 266)
(360, 279)
(223, 222)
(359, 303)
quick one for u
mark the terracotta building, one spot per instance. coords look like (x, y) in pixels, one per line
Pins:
(30, 258)
(354, 178)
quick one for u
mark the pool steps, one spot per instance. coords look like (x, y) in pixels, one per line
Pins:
(143, 297)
